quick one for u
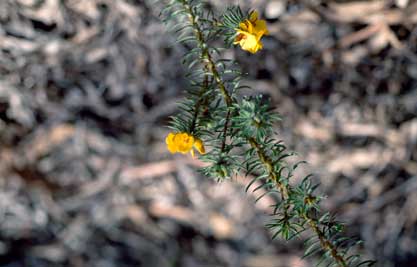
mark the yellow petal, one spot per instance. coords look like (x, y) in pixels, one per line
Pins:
(250, 43)
(169, 140)
(246, 26)
(184, 142)
(260, 26)
(243, 26)
(198, 144)
(250, 26)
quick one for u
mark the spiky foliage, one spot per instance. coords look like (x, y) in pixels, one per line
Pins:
(240, 135)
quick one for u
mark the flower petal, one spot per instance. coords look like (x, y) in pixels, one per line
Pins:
(260, 26)
(250, 43)
(184, 142)
(198, 144)
(243, 26)
(169, 140)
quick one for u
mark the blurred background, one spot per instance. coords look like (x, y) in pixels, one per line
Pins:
(86, 89)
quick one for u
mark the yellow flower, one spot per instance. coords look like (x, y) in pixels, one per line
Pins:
(184, 143)
(250, 32)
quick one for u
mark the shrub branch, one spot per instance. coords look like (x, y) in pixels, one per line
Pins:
(251, 121)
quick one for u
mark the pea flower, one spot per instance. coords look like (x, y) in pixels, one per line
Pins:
(184, 143)
(250, 32)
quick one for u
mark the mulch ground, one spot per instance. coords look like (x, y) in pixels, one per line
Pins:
(86, 91)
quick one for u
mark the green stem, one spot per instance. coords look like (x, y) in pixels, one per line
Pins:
(226, 123)
(198, 104)
(207, 57)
